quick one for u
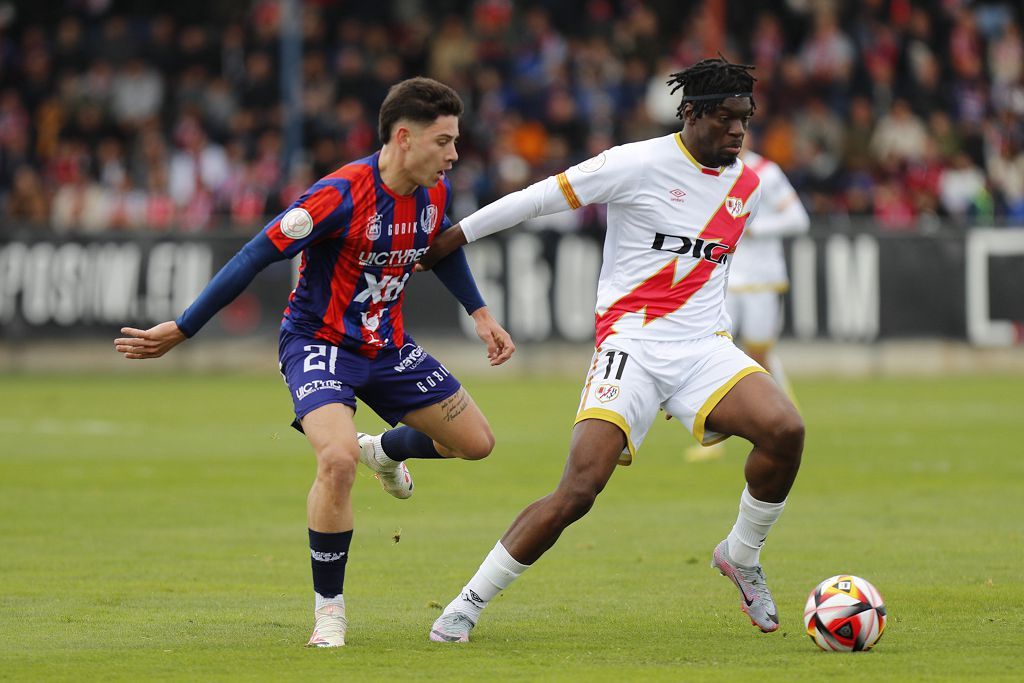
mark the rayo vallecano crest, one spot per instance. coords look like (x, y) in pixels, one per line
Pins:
(607, 392)
(428, 218)
(373, 226)
(734, 205)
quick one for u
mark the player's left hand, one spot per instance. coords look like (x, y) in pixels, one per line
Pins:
(151, 343)
(499, 342)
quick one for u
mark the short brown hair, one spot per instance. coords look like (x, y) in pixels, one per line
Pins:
(418, 99)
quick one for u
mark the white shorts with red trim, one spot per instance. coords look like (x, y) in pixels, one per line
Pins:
(630, 380)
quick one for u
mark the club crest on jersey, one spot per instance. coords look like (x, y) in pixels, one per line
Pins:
(297, 224)
(428, 218)
(734, 205)
(606, 393)
(373, 226)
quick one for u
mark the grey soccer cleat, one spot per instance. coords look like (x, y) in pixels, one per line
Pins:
(755, 598)
(396, 480)
(451, 627)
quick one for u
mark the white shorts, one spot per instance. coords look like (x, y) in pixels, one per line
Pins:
(631, 379)
(756, 316)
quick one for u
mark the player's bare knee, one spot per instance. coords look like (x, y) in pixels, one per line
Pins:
(787, 437)
(478, 446)
(575, 500)
(336, 465)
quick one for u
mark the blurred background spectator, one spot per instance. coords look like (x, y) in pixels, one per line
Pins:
(113, 117)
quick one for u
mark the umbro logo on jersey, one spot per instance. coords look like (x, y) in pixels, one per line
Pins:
(677, 195)
(715, 252)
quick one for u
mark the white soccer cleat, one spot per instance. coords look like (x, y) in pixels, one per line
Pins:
(396, 480)
(451, 627)
(329, 627)
(755, 598)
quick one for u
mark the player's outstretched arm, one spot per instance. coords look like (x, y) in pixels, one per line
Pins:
(540, 199)
(499, 342)
(151, 343)
(445, 243)
(227, 284)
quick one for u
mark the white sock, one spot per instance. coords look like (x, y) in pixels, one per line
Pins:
(497, 572)
(336, 600)
(380, 456)
(752, 526)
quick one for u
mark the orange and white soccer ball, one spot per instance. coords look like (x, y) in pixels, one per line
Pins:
(845, 614)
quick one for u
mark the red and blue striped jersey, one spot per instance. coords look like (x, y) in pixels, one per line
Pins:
(359, 242)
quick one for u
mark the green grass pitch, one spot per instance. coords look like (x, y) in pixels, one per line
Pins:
(153, 527)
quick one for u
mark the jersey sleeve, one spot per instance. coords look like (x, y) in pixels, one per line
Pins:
(611, 176)
(454, 273)
(453, 270)
(322, 212)
(228, 283)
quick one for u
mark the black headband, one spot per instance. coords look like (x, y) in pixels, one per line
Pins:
(716, 96)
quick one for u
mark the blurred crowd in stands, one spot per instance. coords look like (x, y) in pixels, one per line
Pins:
(115, 116)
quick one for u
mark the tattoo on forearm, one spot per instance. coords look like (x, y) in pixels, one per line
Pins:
(453, 406)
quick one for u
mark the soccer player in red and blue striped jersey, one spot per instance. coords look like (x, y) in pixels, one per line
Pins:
(359, 232)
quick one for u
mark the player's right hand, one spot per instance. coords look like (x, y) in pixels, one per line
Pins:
(151, 343)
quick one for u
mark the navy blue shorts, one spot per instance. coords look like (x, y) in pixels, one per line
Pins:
(393, 384)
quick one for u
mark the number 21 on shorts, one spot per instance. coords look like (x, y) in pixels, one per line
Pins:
(317, 352)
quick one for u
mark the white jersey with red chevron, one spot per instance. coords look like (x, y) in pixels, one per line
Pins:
(672, 227)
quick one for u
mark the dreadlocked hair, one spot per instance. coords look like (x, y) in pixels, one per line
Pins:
(708, 77)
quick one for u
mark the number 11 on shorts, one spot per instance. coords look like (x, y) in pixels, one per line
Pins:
(622, 356)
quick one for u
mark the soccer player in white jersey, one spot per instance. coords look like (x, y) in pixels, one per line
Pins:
(757, 274)
(677, 206)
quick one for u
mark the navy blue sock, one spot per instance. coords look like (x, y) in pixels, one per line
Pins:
(329, 555)
(405, 442)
